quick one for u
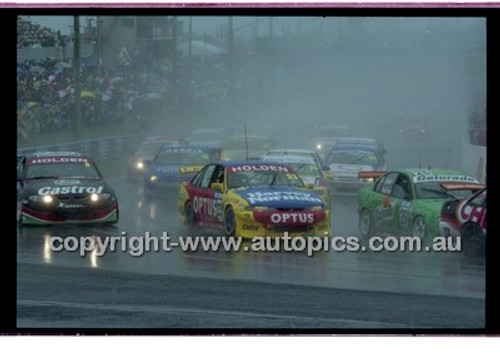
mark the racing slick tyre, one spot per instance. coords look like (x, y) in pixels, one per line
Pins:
(189, 215)
(473, 240)
(365, 224)
(229, 222)
(419, 228)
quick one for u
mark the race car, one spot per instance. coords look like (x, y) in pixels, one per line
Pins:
(300, 153)
(325, 137)
(409, 201)
(252, 198)
(466, 218)
(170, 164)
(63, 187)
(308, 171)
(241, 148)
(140, 161)
(348, 157)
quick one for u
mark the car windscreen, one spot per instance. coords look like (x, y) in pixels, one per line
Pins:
(264, 178)
(182, 157)
(433, 190)
(352, 157)
(59, 170)
(306, 170)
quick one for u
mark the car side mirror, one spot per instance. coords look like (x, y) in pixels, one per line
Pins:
(329, 175)
(309, 186)
(217, 186)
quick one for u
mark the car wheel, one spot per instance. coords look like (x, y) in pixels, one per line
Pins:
(229, 222)
(189, 214)
(419, 227)
(365, 223)
(473, 238)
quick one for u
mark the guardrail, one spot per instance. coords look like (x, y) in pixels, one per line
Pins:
(98, 149)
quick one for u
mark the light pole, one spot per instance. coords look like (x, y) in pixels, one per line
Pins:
(76, 76)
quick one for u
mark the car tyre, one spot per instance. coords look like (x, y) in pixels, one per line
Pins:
(365, 224)
(229, 222)
(473, 239)
(419, 228)
(189, 215)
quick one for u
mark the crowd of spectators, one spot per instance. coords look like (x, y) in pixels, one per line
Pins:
(31, 34)
(111, 93)
(46, 92)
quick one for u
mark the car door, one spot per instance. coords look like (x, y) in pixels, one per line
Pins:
(198, 193)
(382, 203)
(402, 195)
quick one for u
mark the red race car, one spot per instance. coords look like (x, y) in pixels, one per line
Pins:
(466, 218)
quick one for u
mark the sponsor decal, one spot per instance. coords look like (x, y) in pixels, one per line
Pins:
(178, 150)
(67, 182)
(385, 212)
(456, 178)
(283, 218)
(48, 190)
(71, 205)
(254, 197)
(250, 227)
(294, 219)
(58, 160)
(259, 168)
(209, 206)
(405, 213)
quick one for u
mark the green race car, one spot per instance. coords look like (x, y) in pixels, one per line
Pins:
(409, 201)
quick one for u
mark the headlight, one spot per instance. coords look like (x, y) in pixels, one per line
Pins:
(315, 208)
(139, 165)
(97, 197)
(40, 198)
(153, 178)
(318, 146)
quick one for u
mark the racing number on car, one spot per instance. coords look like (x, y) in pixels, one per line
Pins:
(404, 213)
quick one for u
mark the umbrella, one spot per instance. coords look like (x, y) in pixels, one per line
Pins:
(87, 94)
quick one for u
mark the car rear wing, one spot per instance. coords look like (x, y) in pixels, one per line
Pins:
(370, 174)
(450, 186)
(190, 169)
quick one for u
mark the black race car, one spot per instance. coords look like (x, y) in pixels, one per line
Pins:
(63, 187)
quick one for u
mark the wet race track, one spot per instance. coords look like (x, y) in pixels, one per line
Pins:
(237, 289)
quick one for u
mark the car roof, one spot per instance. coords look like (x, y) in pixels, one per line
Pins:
(286, 158)
(236, 163)
(291, 150)
(356, 140)
(200, 148)
(48, 154)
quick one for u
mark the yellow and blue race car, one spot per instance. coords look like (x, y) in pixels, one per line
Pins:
(252, 198)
